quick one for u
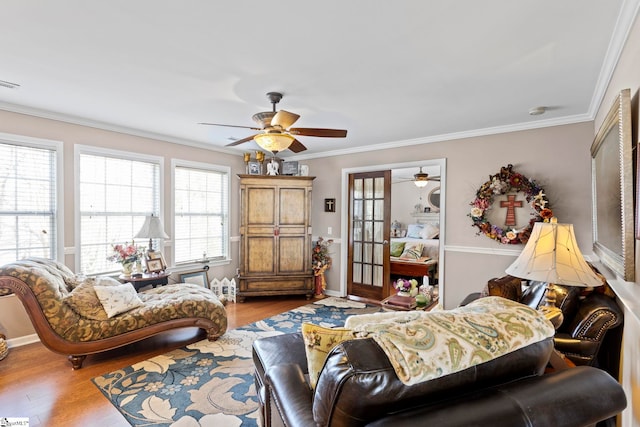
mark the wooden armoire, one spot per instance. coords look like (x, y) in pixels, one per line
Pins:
(275, 236)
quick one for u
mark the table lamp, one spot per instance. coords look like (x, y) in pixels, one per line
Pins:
(151, 229)
(552, 256)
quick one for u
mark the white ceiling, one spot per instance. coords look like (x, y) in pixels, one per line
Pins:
(389, 72)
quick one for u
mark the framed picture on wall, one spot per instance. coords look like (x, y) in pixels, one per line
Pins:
(197, 278)
(612, 184)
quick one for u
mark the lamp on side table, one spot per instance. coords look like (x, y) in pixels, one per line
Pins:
(552, 256)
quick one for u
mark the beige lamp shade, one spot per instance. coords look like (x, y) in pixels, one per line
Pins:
(552, 255)
(152, 229)
(274, 142)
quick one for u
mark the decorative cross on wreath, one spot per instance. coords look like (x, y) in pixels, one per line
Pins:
(508, 181)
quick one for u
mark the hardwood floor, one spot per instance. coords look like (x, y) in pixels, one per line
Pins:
(39, 384)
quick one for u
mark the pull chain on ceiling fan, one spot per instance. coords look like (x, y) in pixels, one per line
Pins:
(275, 131)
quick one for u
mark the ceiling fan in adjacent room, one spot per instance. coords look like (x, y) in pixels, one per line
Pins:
(276, 133)
(421, 179)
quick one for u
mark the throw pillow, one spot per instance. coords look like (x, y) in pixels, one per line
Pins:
(414, 230)
(84, 301)
(118, 299)
(319, 341)
(397, 248)
(430, 231)
(412, 250)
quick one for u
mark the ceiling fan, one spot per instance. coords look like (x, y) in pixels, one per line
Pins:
(276, 133)
(420, 179)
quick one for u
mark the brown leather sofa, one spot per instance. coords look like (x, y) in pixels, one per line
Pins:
(591, 322)
(358, 387)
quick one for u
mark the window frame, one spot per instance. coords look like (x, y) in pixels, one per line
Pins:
(58, 148)
(118, 154)
(226, 259)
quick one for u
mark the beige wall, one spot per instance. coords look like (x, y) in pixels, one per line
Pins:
(556, 157)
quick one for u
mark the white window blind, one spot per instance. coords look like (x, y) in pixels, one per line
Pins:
(115, 195)
(28, 211)
(201, 213)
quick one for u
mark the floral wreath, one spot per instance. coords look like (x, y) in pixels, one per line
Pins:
(502, 183)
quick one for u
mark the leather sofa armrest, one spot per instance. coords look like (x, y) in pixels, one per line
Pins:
(596, 315)
(570, 398)
(291, 394)
(580, 351)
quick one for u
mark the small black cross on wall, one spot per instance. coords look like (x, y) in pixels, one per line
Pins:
(329, 205)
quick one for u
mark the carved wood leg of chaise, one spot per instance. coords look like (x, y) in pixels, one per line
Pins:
(76, 361)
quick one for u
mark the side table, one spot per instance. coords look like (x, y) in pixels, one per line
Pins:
(153, 279)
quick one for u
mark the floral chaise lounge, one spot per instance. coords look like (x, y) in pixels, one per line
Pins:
(71, 315)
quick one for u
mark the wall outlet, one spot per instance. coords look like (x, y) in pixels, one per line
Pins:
(329, 231)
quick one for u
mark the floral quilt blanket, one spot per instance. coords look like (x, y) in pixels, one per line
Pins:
(422, 346)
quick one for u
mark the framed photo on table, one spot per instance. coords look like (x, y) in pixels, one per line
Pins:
(155, 262)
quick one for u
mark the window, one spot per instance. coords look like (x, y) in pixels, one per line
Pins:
(201, 212)
(116, 191)
(29, 180)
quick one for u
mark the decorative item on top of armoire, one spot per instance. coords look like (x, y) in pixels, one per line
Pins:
(503, 191)
(275, 236)
(321, 263)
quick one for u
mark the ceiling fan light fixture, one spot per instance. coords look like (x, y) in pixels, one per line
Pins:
(421, 179)
(274, 142)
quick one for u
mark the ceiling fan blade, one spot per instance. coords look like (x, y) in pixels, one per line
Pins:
(296, 146)
(231, 126)
(284, 119)
(324, 133)
(240, 141)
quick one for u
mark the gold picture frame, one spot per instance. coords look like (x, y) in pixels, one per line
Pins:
(155, 262)
(612, 190)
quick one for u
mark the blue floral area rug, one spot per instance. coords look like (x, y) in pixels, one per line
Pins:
(210, 383)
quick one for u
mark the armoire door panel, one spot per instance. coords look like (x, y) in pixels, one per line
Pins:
(292, 206)
(292, 255)
(261, 252)
(261, 206)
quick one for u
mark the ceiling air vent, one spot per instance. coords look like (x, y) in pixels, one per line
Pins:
(9, 85)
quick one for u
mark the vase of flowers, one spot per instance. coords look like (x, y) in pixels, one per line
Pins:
(407, 288)
(321, 261)
(127, 255)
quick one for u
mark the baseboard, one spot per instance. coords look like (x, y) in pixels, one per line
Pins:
(24, 340)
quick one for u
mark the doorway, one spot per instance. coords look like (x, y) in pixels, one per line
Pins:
(346, 267)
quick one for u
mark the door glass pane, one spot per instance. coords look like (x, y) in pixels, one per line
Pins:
(368, 231)
(379, 188)
(378, 210)
(357, 209)
(378, 234)
(357, 189)
(367, 253)
(368, 210)
(368, 188)
(357, 273)
(377, 254)
(357, 231)
(366, 275)
(378, 277)
(357, 252)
